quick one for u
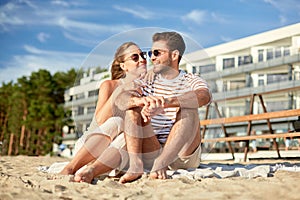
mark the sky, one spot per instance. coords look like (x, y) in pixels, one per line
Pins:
(58, 35)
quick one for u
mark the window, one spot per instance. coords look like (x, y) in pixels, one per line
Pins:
(261, 79)
(234, 85)
(243, 60)
(93, 93)
(261, 82)
(286, 51)
(91, 109)
(225, 86)
(80, 110)
(228, 63)
(260, 55)
(277, 52)
(275, 78)
(194, 70)
(207, 68)
(270, 54)
(80, 96)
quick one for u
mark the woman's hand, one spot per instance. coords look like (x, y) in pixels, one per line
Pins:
(149, 76)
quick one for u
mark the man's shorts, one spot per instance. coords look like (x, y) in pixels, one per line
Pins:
(185, 162)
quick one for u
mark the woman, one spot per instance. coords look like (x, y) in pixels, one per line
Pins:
(100, 141)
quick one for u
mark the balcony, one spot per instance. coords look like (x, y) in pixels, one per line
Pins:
(84, 117)
(247, 91)
(79, 102)
(252, 67)
(70, 136)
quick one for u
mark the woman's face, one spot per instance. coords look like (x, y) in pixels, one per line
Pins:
(135, 62)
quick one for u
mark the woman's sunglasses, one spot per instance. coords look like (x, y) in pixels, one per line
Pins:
(135, 57)
(156, 52)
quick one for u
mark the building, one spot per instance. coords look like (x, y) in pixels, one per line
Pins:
(81, 100)
(268, 63)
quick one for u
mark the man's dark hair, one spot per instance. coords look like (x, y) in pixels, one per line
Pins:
(174, 41)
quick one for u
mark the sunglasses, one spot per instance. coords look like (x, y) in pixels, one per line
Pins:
(135, 57)
(156, 52)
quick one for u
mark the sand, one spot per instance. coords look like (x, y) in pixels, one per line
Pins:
(21, 179)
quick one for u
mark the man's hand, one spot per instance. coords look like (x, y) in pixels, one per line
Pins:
(154, 105)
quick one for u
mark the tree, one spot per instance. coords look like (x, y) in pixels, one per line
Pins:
(32, 112)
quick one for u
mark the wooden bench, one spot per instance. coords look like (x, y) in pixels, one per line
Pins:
(252, 137)
(248, 118)
(252, 117)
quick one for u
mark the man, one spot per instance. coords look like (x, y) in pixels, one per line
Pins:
(171, 104)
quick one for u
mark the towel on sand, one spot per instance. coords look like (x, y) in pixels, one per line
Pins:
(209, 170)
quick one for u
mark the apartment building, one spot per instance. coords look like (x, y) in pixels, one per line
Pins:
(267, 63)
(81, 100)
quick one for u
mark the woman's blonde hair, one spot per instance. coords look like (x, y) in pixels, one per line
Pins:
(116, 71)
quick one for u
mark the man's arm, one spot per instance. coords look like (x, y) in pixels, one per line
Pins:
(192, 99)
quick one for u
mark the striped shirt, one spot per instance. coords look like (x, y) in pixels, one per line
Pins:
(183, 83)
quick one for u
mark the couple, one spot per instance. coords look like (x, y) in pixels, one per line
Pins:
(143, 125)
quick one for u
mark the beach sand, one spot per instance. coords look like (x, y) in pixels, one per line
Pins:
(21, 179)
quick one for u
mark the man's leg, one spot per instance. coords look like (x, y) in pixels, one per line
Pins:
(183, 140)
(133, 138)
(140, 141)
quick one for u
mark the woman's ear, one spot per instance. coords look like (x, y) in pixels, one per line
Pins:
(122, 65)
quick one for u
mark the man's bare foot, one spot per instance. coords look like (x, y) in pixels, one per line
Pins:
(67, 171)
(129, 177)
(85, 175)
(159, 174)
(135, 170)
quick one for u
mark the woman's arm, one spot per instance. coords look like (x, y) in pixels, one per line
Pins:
(104, 106)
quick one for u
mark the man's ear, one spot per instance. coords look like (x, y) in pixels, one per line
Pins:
(175, 55)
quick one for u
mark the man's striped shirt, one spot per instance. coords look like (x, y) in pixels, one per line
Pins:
(183, 83)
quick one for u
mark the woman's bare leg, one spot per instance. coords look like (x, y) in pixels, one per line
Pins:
(94, 146)
(109, 160)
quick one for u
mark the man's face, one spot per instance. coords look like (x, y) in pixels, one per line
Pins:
(161, 56)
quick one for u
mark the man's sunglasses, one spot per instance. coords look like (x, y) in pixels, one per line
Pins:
(135, 57)
(156, 52)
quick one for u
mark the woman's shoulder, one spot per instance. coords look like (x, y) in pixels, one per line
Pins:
(109, 84)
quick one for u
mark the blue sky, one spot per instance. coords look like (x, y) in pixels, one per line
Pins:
(57, 35)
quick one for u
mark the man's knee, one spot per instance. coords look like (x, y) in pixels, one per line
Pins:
(191, 115)
(133, 115)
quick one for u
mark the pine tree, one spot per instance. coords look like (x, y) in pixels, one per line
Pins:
(32, 112)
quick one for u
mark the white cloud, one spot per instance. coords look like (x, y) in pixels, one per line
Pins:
(196, 16)
(218, 18)
(29, 3)
(7, 18)
(136, 11)
(88, 42)
(200, 17)
(94, 28)
(65, 17)
(60, 3)
(35, 59)
(226, 39)
(286, 8)
(43, 37)
(282, 19)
